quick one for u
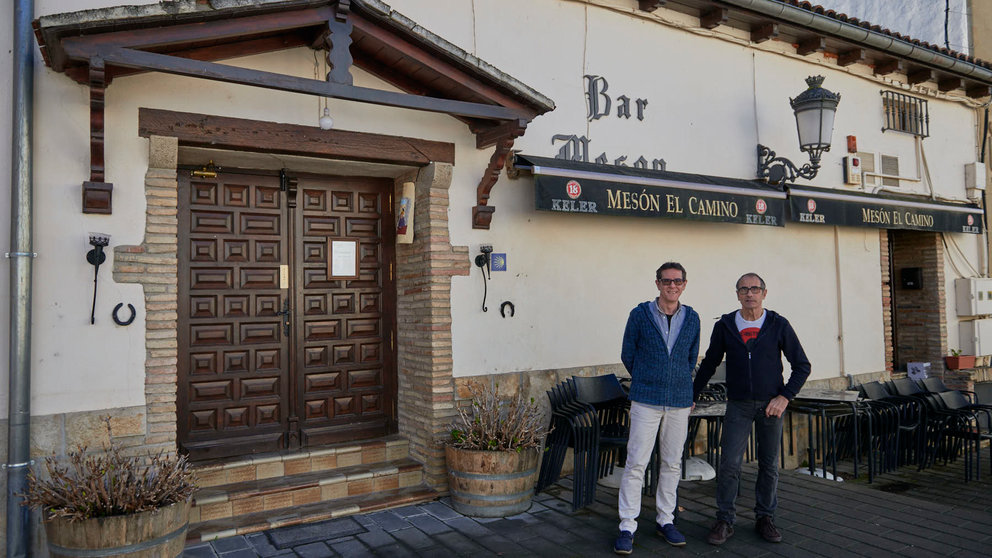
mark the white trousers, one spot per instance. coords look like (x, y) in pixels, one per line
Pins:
(670, 425)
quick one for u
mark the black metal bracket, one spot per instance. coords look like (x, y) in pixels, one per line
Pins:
(779, 170)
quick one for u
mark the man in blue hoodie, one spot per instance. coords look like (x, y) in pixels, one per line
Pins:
(660, 347)
(753, 340)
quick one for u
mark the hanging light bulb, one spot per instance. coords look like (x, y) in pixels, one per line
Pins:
(326, 122)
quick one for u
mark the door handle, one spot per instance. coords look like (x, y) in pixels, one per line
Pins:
(285, 313)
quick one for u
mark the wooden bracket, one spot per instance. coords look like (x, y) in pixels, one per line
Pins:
(811, 45)
(978, 91)
(764, 32)
(854, 56)
(889, 66)
(714, 18)
(950, 84)
(97, 194)
(650, 5)
(920, 76)
(482, 213)
(338, 43)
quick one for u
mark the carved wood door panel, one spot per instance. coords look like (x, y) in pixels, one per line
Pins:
(273, 354)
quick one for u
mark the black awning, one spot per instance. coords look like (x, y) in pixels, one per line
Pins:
(833, 207)
(575, 187)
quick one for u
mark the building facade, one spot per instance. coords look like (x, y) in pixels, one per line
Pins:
(284, 295)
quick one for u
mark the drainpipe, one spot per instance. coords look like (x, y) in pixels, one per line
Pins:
(20, 256)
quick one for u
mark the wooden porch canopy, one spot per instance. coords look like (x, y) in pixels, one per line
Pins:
(188, 38)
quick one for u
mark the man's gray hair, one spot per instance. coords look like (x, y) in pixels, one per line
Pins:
(746, 275)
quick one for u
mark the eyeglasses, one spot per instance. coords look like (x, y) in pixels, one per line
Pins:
(753, 290)
(676, 282)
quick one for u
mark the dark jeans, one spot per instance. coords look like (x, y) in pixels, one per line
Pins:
(736, 429)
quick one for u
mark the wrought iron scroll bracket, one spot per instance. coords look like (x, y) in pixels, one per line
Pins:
(779, 170)
(482, 213)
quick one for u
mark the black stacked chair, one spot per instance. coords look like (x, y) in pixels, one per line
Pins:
(904, 434)
(591, 415)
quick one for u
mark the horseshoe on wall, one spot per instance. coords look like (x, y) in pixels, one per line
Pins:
(502, 308)
(119, 321)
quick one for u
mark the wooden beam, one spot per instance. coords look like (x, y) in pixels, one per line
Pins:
(811, 45)
(490, 136)
(920, 76)
(430, 60)
(714, 18)
(239, 134)
(887, 67)
(950, 84)
(764, 32)
(245, 76)
(338, 44)
(482, 213)
(978, 90)
(650, 5)
(96, 192)
(85, 46)
(854, 56)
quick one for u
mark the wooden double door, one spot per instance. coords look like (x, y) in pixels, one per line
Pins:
(276, 351)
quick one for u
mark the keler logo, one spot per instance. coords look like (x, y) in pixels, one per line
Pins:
(811, 206)
(573, 189)
(971, 220)
(760, 206)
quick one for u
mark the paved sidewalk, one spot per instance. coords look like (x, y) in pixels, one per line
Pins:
(932, 513)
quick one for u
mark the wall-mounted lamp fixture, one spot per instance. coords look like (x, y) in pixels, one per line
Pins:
(96, 257)
(815, 109)
(482, 262)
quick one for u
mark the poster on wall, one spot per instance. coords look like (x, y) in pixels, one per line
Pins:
(342, 258)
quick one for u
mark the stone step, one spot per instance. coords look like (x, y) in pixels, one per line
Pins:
(278, 493)
(278, 464)
(308, 513)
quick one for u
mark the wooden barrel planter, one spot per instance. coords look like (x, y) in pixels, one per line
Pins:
(149, 534)
(491, 483)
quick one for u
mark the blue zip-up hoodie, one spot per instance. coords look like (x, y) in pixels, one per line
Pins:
(657, 377)
(754, 370)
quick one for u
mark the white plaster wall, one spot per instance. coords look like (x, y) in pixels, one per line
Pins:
(573, 278)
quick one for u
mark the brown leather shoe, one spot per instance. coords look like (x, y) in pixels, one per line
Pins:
(720, 532)
(766, 528)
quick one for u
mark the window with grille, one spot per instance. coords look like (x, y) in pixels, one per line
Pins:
(904, 113)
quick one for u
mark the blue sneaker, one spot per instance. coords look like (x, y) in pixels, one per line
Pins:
(671, 534)
(625, 543)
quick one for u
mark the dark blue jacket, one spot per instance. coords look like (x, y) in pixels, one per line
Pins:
(658, 378)
(754, 370)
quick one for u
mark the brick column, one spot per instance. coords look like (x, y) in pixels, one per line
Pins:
(423, 284)
(883, 245)
(920, 315)
(153, 265)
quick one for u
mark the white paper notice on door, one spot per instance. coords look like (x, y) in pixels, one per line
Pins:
(343, 259)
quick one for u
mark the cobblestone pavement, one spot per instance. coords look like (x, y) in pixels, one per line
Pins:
(931, 513)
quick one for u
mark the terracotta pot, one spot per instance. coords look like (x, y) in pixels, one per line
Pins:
(154, 533)
(959, 362)
(491, 483)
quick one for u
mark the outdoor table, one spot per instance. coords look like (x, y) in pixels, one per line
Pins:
(712, 412)
(823, 407)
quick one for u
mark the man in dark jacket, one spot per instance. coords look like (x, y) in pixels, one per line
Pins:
(660, 347)
(753, 340)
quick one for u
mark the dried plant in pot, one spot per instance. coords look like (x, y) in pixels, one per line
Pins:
(113, 503)
(493, 454)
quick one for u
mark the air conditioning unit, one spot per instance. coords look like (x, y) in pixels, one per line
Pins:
(975, 337)
(973, 296)
(974, 180)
